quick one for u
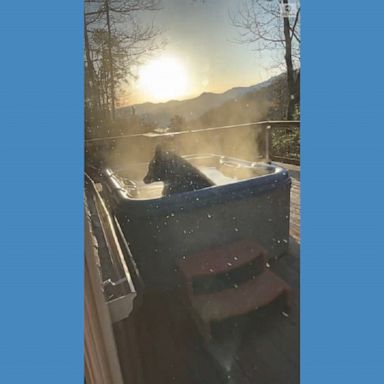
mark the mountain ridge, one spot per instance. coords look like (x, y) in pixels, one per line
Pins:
(191, 109)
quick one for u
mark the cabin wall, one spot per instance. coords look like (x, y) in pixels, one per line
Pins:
(101, 360)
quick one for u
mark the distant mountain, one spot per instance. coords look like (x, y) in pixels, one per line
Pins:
(192, 109)
(264, 103)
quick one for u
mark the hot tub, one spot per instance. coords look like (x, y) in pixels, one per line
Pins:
(249, 201)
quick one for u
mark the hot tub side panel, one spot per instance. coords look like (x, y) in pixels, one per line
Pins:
(159, 237)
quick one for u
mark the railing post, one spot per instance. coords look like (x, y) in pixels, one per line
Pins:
(268, 143)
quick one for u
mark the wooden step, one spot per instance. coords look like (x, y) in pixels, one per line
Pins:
(221, 259)
(254, 294)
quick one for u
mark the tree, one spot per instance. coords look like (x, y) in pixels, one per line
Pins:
(262, 24)
(177, 123)
(114, 43)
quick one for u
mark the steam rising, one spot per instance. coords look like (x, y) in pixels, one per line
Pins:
(195, 137)
(241, 142)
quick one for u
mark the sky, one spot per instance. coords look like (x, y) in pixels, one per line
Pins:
(201, 52)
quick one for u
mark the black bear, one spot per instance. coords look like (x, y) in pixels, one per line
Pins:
(177, 173)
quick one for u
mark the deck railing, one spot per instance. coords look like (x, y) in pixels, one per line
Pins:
(283, 142)
(272, 140)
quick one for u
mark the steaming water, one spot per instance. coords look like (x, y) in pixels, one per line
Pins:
(225, 173)
(216, 176)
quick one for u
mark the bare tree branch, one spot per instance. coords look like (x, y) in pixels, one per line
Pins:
(261, 25)
(116, 43)
(295, 24)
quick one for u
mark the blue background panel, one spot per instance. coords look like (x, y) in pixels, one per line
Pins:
(342, 265)
(41, 157)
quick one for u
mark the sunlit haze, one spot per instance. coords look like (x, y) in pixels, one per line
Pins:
(163, 78)
(199, 56)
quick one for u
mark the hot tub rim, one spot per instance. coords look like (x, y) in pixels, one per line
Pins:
(218, 194)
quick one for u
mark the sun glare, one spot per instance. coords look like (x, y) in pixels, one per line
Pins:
(163, 79)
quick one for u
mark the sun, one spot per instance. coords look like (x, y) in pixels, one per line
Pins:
(163, 79)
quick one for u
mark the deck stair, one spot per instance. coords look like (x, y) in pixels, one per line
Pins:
(230, 281)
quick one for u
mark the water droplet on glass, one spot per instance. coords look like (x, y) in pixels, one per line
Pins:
(210, 270)
(209, 216)
(236, 229)
(235, 258)
(285, 314)
(267, 265)
(229, 264)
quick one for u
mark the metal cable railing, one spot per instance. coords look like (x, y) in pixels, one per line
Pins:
(276, 140)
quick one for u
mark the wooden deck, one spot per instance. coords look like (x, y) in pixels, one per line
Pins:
(295, 211)
(159, 342)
